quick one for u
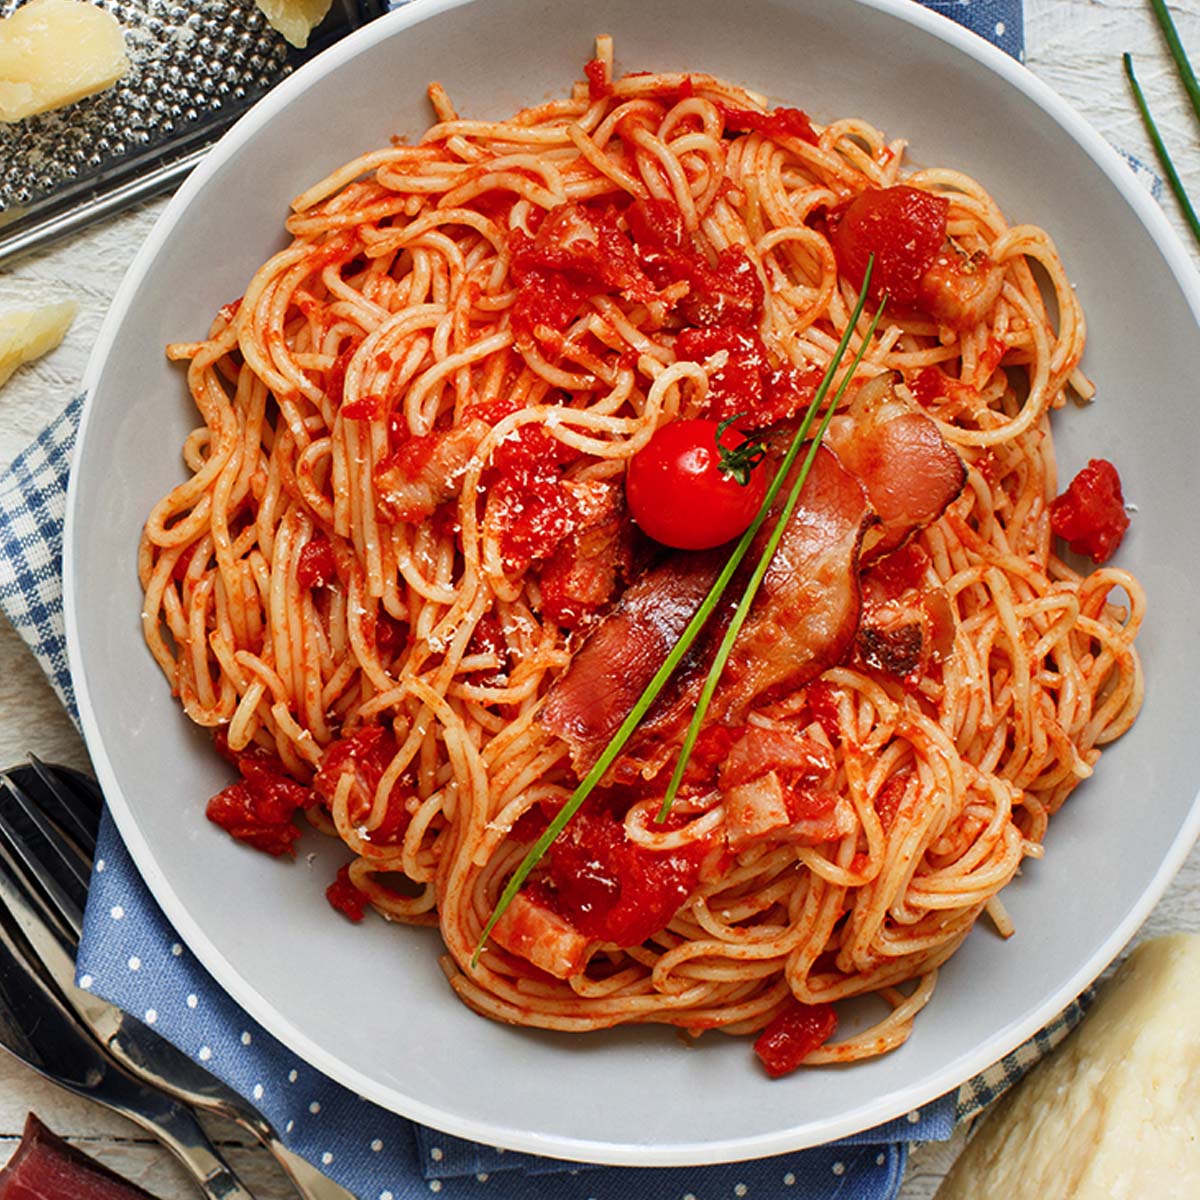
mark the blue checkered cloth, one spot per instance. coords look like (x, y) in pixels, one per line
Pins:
(131, 956)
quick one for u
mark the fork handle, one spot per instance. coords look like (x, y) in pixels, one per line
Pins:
(177, 1128)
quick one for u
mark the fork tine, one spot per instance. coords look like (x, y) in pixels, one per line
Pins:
(78, 804)
(42, 874)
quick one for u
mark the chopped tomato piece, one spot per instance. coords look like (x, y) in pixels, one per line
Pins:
(598, 86)
(317, 566)
(1090, 515)
(609, 888)
(779, 122)
(537, 511)
(729, 293)
(365, 408)
(259, 808)
(904, 227)
(747, 381)
(822, 699)
(789, 1039)
(345, 897)
(368, 752)
(577, 252)
(928, 387)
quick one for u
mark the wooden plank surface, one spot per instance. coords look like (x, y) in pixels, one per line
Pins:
(1073, 45)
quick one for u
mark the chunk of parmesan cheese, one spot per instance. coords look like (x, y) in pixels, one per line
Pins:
(54, 52)
(28, 333)
(295, 19)
(1114, 1113)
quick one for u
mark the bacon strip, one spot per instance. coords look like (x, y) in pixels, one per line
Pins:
(805, 615)
(427, 471)
(533, 932)
(910, 472)
(579, 578)
(586, 706)
(803, 621)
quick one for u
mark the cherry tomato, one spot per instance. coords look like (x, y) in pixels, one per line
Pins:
(678, 492)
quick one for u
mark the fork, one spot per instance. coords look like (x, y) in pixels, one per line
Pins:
(50, 835)
(40, 1028)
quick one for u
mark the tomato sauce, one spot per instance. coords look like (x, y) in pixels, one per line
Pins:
(608, 887)
(317, 566)
(259, 808)
(1090, 515)
(904, 227)
(345, 897)
(748, 382)
(793, 1035)
(779, 122)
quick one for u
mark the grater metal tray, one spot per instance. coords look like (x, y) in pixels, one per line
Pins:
(194, 67)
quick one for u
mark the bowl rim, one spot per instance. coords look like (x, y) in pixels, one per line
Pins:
(214, 959)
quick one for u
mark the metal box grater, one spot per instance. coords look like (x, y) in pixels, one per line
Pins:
(194, 67)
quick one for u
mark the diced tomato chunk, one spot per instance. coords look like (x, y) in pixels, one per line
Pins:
(577, 252)
(822, 701)
(345, 897)
(1090, 515)
(904, 227)
(793, 1035)
(598, 85)
(317, 566)
(779, 122)
(537, 510)
(365, 408)
(729, 293)
(928, 387)
(748, 382)
(608, 887)
(367, 753)
(259, 808)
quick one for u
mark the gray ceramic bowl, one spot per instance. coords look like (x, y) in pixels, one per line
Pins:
(264, 929)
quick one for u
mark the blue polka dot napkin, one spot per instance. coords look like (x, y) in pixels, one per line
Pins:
(131, 956)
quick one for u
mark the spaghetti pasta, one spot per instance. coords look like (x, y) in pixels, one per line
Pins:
(404, 525)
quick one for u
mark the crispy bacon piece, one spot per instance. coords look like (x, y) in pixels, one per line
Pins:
(960, 289)
(910, 472)
(806, 612)
(534, 932)
(779, 786)
(579, 578)
(426, 471)
(587, 704)
(802, 622)
(895, 649)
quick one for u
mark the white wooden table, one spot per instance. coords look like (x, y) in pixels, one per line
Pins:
(1074, 45)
